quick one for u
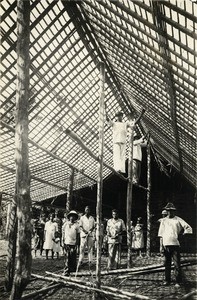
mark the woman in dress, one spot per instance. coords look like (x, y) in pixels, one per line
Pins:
(138, 237)
(49, 234)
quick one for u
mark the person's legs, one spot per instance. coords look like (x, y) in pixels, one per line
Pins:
(47, 253)
(110, 256)
(116, 255)
(73, 259)
(177, 264)
(122, 157)
(168, 260)
(116, 157)
(90, 243)
(135, 177)
(66, 259)
(83, 242)
(138, 170)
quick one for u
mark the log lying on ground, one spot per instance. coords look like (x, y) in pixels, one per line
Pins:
(40, 291)
(153, 270)
(117, 271)
(83, 286)
(104, 287)
(187, 296)
(135, 270)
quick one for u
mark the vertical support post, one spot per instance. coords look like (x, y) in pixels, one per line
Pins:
(70, 191)
(22, 186)
(11, 250)
(7, 220)
(129, 198)
(148, 199)
(100, 176)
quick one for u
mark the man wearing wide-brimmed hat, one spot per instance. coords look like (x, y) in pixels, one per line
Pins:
(70, 232)
(169, 230)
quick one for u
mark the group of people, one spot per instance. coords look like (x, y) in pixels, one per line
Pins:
(78, 235)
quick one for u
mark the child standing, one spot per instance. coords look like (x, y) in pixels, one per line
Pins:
(35, 241)
(56, 244)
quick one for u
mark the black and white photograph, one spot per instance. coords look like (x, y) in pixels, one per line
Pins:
(98, 159)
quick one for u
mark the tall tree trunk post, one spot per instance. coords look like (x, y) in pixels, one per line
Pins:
(100, 177)
(22, 186)
(148, 199)
(129, 198)
(11, 250)
(70, 191)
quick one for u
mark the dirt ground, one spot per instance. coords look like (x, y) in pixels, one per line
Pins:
(150, 285)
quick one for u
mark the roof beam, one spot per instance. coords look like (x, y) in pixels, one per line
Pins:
(83, 30)
(13, 171)
(157, 16)
(49, 153)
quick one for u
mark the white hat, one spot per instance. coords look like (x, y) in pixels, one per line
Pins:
(72, 212)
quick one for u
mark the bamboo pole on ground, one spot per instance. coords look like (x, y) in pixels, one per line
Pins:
(148, 198)
(129, 198)
(100, 176)
(41, 291)
(70, 191)
(106, 290)
(22, 187)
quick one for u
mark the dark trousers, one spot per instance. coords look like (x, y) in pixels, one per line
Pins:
(172, 252)
(70, 258)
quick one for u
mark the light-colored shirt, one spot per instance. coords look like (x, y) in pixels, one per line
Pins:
(170, 229)
(120, 131)
(86, 224)
(69, 233)
(137, 150)
(114, 227)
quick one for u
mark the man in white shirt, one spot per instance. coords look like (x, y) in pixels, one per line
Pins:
(87, 225)
(70, 230)
(115, 228)
(138, 143)
(169, 230)
(120, 130)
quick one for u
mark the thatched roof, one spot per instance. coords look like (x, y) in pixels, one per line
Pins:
(149, 50)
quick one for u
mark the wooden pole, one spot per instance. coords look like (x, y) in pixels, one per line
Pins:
(80, 284)
(70, 191)
(148, 199)
(100, 176)
(129, 198)
(11, 250)
(22, 186)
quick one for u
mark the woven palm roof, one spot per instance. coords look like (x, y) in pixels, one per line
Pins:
(149, 51)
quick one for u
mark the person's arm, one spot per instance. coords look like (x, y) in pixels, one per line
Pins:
(81, 226)
(140, 116)
(93, 226)
(108, 229)
(187, 229)
(109, 121)
(63, 233)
